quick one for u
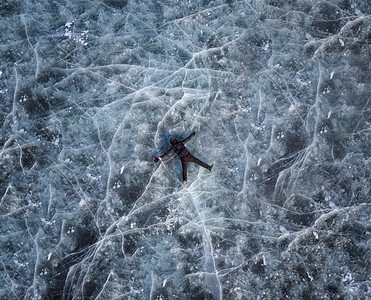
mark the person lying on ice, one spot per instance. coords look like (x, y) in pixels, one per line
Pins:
(184, 155)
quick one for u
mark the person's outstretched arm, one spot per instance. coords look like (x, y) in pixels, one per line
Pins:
(186, 140)
(164, 155)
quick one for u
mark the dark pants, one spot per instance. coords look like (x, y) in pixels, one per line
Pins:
(191, 158)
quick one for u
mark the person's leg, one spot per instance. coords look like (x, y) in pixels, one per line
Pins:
(199, 162)
(184, 167)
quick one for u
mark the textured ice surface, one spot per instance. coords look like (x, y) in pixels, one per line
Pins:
(278, 93)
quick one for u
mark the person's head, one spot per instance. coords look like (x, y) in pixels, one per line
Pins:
(173, 141)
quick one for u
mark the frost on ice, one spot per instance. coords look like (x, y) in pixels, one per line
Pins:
(278, 93)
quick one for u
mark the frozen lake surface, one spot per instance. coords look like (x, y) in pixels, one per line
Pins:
(278, 93)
